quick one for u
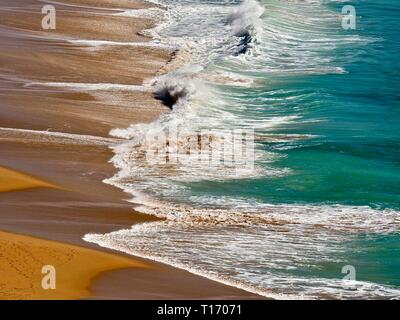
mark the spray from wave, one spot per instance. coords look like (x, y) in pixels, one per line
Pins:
(176, 87)
(246, 18)
(245, 22)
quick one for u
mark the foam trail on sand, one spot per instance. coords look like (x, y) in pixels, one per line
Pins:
(99, 43)
(91, 86)
(54, 137)
(142, 13)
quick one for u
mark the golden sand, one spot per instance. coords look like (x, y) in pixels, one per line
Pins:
(22, 259)
(11, 180)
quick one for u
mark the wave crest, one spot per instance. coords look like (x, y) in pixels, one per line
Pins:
(246, 19)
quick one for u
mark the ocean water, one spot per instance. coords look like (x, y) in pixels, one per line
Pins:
(322, 104)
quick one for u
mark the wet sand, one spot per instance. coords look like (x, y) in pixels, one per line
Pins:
(58, 136)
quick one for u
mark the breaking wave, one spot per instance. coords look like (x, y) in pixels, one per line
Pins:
(264, 249)
(245, 22)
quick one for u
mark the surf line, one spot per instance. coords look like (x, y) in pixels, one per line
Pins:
(169, 310)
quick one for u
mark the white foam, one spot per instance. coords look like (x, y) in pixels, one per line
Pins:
(92, 86)
(338, 218)
(55, 137)
(138, 13)
(253, 246)
(246, 18)
(100, 43)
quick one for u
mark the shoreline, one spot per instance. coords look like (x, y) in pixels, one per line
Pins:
(82, 203)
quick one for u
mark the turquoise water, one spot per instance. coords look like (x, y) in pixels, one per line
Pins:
(356, 158)
(324, 106)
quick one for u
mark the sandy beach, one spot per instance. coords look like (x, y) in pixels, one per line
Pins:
(23, 258)
(55, 153)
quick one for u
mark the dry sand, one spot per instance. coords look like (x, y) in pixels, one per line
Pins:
(23, 258)
(36, 155)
